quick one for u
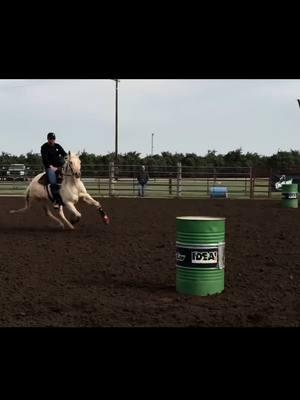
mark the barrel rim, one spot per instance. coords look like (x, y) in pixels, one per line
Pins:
(200, 245)
(201, 218)
(200, 269)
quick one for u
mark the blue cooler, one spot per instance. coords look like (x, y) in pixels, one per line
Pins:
(218, 192)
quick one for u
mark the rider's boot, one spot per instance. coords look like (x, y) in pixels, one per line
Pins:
(56, 196)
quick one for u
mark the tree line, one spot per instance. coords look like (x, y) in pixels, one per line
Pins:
(280, 161)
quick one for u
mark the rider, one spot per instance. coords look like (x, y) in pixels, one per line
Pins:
(53, 158)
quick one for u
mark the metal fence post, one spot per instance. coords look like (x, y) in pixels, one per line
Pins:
(179, 179)
(270, 184)
(251, 183)
(170, 186)
(111, 178)
(99, 186)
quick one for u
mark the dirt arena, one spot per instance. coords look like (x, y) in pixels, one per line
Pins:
(123, 275)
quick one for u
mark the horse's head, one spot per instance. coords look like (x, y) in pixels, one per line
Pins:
(72, 165)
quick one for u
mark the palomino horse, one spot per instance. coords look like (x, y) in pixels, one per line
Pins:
(72, 189)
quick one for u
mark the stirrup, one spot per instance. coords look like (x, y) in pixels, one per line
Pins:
(55, 205)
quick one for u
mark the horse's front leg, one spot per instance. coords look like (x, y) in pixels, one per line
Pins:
(89, 200)
(74, 211)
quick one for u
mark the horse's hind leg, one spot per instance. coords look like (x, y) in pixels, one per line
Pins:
(28, 202)
(49, 214)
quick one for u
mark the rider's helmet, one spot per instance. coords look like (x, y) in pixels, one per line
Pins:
(51, 135)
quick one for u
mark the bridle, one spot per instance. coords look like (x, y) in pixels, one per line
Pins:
(68, 166)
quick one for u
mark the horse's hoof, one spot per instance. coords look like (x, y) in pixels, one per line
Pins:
(106, 219)
(75, 221)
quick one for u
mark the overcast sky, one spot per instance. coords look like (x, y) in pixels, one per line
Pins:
(186, 116)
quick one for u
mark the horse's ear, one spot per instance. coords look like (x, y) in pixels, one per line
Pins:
(69, 153)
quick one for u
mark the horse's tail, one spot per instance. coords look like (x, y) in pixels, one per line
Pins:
(27, 202)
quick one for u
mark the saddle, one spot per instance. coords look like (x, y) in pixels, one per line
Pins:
(45, 182)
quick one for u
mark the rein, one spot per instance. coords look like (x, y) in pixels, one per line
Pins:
(72, 172)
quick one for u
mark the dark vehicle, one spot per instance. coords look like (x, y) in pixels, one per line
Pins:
(17, 172)
(279, 180)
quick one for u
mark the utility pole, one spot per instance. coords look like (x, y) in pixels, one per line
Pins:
(152, 145)
(116, 123)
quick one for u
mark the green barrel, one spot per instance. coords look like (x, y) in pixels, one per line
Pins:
(200, 255)
(289, 196)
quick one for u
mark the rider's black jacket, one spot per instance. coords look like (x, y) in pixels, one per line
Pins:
(52, 155)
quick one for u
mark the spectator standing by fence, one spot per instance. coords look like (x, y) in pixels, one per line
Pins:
(142, 178)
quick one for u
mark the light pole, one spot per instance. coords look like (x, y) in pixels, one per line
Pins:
(152, 145)
(116, 126)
